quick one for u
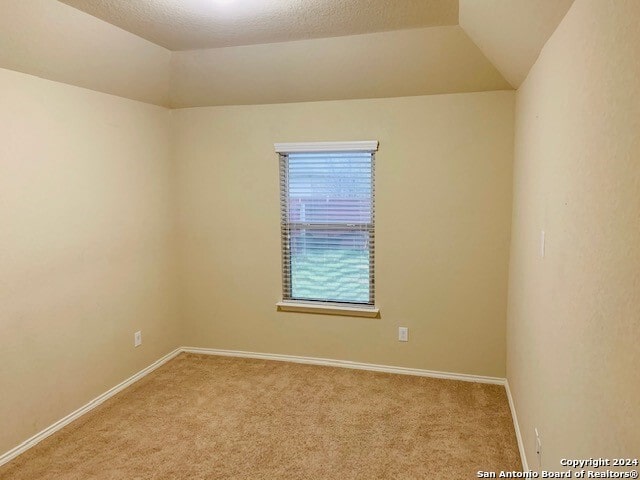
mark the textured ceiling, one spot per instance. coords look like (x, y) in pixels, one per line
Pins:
(197, 24)
(511, 33)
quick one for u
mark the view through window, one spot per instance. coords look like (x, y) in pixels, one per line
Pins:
(327, 203)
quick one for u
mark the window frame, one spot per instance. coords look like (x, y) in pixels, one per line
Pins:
(368, 309)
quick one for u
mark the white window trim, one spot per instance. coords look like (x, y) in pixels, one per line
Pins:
(318, 307)
(328, 309)
(363, 146)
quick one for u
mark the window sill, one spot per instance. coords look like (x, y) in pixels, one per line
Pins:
(370, 312)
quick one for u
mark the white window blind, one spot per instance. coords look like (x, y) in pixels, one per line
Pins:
(327, 224)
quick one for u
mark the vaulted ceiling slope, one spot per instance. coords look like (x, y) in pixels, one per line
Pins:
(54, 41)
(420, 61)
(199, 24)
(369, 49)
(511, 33)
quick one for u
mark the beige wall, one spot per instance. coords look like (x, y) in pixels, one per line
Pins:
(443, 181)
(573, 329)
(55, 41)
(87, 202)
(85, 247)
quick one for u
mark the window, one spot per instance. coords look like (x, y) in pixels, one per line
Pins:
(327, 223)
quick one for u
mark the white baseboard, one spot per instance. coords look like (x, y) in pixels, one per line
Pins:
(347, 364)
(27, 444)
(516, 426)
(50, 430)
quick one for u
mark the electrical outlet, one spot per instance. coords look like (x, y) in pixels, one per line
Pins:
(538, 448)
(403, 334)
(137, 339)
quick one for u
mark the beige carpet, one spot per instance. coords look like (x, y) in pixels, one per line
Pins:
(204, 417)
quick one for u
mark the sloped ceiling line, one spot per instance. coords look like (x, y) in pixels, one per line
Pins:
(511, 33)
(53, 40)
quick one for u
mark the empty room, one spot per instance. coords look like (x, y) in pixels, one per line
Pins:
(319, 239)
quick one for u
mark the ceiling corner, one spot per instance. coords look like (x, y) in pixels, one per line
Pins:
(511, 33)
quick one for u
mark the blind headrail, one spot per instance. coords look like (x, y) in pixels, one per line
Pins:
(307, 147)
